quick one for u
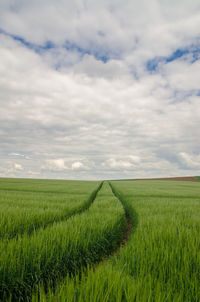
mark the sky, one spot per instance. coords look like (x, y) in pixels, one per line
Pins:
(104, 89)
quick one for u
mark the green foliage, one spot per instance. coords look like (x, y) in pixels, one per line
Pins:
(161, 260)
(61, 248)
(26, 205)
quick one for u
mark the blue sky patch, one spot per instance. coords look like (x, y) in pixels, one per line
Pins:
(176, 55)
(152, 65)
(99, 55)
(36, 47)
(193, 50)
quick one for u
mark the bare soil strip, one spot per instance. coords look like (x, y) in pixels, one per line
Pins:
(184, 178)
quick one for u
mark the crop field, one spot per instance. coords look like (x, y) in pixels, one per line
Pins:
(133, 240)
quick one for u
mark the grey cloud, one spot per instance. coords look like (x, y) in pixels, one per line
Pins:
(90, 119)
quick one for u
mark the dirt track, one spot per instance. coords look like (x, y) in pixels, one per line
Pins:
(185, 178)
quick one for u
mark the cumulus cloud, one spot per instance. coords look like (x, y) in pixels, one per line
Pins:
(118, 164)
(99, 89)
(77, 165)
(55, 164)
(59, 165)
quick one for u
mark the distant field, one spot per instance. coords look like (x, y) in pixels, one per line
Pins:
(91, 241)
(185, 178)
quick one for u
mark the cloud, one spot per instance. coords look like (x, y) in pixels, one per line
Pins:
(77, 165)
(12, 169)
(55, 164)
(18, 166)
(118, 164)
(18, 155)
(97, 90)
(59, 165)
(15, 154)
(135, 159)
(191, 161)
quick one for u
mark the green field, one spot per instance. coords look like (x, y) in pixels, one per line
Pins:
(93, 241)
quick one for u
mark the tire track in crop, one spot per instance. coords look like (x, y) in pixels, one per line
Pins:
(83, 270)
(130, 227)
(85, 206)
(126, 234)
(81, 209)
(129, 224)
(8, 296)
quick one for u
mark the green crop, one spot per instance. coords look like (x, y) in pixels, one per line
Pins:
(63, 248)
(161, 260)
(26, 205)
(61, 260)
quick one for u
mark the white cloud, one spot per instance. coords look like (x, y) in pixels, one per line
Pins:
(135, 159)
(77, 165)
(55, 164)
(18, 167)
(182, 75)
(118, 164)
(191, 161)
(92, 109)
(15, 154)
(13, 168)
